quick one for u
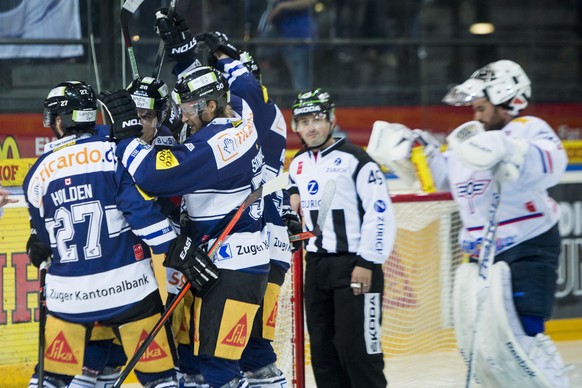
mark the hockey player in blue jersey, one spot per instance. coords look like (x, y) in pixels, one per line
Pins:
(85, 206)
(215, 169)
(104, 357)
(259, 359)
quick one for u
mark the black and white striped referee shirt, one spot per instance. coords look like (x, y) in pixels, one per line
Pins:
(361, 216)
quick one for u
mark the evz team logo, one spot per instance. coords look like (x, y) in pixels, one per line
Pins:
(312, 187)
(471, 189)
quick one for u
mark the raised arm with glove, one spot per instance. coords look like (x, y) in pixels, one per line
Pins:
(174, 32)
(123, 114)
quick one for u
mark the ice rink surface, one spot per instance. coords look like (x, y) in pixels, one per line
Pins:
(571, 352)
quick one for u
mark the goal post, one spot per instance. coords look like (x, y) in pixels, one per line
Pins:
(418, 339)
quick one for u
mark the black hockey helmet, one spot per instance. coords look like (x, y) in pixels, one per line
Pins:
(75, 102)
(313, 102)
(202, 84)
(150, 93)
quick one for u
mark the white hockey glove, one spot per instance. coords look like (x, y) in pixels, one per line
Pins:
(482, 150)
(463, 133)
(391, 144)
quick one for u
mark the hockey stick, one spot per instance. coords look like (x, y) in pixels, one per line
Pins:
(127, 10)
(41, 322)
(162, 48)
(275, 184)
(486, 257)
(324, 206)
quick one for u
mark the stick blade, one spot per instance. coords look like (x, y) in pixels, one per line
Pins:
(325, 205)
(278, 183)
(131, 5)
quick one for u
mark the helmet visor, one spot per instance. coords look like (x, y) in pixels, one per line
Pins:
(193, 108)
(46, 118)
(466, 93)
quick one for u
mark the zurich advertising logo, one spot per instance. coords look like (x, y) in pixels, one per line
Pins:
(380, 206)
(312, 187)
(337, 161)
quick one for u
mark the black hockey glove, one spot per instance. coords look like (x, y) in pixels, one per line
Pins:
(121, 109)
(174, 32)
(174, 120)
(217, 41)
(293, 224)
(37, 252)
(193, 262)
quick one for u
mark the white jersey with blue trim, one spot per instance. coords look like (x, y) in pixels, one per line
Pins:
(526, 209)
(215, 170)
(272, 131)
(361, 218)
(85, 206)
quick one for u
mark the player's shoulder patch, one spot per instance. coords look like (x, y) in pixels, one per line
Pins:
(521, 120)
(166, 159)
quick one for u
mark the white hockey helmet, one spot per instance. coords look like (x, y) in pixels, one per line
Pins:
(502, 82)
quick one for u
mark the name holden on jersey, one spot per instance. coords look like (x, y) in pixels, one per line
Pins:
(71, 194)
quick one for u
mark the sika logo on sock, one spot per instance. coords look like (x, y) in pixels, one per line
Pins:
(153, 352)
(234, 332)
(60, 351)
(238, 334)
(273, 316)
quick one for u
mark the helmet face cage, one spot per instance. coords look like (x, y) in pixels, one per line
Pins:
(506, 84)
(202, 83)
(466, 93)
(151, 94)
(75, 102)
(503, 83)
(312, 102)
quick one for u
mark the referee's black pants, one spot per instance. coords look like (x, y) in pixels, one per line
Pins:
(344, 329)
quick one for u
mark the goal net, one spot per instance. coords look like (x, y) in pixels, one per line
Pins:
(417, 327)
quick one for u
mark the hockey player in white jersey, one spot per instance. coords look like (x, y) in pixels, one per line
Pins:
(84, 205)
(525, 157)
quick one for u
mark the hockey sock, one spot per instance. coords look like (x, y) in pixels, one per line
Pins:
(532, 324)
